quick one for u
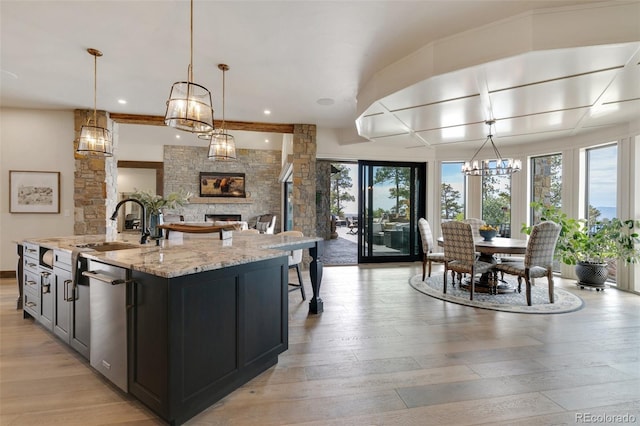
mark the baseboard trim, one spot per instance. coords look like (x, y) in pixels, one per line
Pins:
(7, 274)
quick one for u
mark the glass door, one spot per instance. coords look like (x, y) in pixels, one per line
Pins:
(390, 203)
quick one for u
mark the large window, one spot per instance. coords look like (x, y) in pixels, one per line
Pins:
(546, 182)
(602, 183)
(452, 192)
(496, 203)
(602, 189)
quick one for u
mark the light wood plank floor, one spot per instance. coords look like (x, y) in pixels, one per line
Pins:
(380, 354)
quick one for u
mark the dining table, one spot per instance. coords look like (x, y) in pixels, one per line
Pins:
(488, 249)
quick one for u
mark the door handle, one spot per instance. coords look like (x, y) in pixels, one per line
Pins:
(66, 291)
(105, 278)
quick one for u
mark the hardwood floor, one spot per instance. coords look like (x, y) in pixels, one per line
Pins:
(380, 354)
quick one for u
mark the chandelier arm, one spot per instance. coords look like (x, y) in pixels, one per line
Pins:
(495, 149)
(479, 149)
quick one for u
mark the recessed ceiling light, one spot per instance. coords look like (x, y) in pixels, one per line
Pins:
(325, 101)
(266, 141)
(177, 136)
(267, 112)
(122, 101)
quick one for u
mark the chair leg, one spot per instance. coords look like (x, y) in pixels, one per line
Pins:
(527, 280)
(444, 285)
(424, 267)
(300, 285)
(473, 284)
(550, 280)
(429, 268)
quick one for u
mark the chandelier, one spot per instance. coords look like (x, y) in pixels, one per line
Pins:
(94, 139)
(222, 145)
(496, 166)
(189, 105)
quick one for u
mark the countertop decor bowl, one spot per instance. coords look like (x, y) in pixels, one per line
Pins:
(488, 234)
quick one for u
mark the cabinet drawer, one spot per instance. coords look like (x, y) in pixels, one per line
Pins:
(31, 282)
(62, 260)
(31, 250)
(31, 264)
(32, 304)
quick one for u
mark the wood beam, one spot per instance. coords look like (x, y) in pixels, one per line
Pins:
(250, 126)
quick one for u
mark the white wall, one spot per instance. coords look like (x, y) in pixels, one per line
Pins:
(39, 141)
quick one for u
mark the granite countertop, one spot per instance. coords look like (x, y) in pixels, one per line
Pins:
(173, 258)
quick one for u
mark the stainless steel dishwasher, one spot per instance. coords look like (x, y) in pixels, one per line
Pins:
(108, 312)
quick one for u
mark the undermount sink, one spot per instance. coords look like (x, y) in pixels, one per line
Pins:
(108, 246)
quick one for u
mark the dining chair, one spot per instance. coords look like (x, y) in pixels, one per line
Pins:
(538, 259)
(428, 255)
(460, 254)
(266, 224)
(475, 225)
(295, 259)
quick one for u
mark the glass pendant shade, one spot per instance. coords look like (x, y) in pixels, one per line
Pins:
(222, 146)
(95, 140)
(189, 108)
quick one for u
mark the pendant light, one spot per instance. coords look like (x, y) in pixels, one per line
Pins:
(222, 145)
(189, 105)
(95, 140)
(496, 166)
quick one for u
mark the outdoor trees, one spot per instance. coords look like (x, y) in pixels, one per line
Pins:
(450, 207)
(340, 184)
(400, 178)
(496, 199)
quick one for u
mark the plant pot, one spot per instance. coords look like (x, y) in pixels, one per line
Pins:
(155, 219)
(592, 274)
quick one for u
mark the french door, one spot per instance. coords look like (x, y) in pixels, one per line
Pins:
(391, 200)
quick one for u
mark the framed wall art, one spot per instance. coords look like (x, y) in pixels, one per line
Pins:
(34, 192)
(213, 184)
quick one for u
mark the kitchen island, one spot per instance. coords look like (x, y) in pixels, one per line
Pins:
(204, 316)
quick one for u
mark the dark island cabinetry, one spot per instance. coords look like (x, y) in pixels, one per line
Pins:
(195, 338)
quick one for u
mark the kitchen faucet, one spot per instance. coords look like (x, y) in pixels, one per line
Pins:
(145, 232)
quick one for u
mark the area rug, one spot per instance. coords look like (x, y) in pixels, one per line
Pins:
(506, 302)
(340, 252)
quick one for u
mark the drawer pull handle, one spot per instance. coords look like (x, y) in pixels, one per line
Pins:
(68, 298)
(45, 274)
(31, 282)
(46, 288)
(30, 250)
(31, 304)
(32, 265)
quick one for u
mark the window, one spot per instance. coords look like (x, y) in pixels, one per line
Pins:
(546, 182)
(452, 192)
(496, 203)
(601, 189)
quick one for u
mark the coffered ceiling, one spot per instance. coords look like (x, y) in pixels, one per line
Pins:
(316, 62)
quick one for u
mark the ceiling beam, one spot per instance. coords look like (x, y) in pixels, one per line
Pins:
(158, 120)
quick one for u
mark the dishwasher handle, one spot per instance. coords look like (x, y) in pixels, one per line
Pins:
(105, 278)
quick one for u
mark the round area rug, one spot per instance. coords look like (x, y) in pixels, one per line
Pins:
(507, 302)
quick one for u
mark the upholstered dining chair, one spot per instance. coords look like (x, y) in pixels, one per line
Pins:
(295, 259)
(266, 224)
(460, 253)
(538, 259)
(475, 225)
(428, 255)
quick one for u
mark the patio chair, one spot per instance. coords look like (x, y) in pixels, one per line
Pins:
(428, 255)
(352, 224)
(460, 253)
(538, 259)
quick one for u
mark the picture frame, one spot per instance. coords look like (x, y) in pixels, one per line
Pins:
(214, 184)
(34, 192)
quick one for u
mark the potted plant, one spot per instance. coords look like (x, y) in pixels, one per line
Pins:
(591, 246)
(154, 204)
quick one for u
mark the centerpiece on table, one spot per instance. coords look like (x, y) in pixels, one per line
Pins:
(488, 232)
(154, 204)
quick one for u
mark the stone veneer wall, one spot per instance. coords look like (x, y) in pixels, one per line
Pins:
(304, 179)
(95, 182)
(182, 167)
(323, 198)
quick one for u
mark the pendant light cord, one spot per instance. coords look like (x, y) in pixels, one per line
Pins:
(95, 90)
(191, 41)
